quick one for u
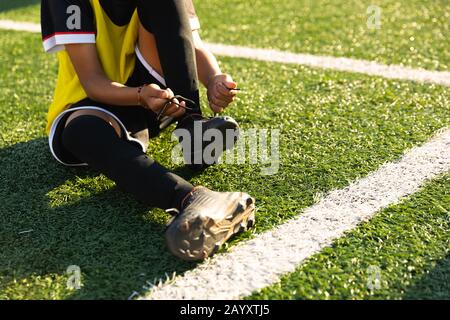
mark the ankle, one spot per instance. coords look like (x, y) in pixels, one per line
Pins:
(187, 198)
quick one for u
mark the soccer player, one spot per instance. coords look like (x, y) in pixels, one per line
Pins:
(127, 69)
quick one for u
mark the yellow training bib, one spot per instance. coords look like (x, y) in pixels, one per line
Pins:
(115, 47)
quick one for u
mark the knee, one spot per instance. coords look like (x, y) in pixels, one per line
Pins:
(71, 133)
(83, 130)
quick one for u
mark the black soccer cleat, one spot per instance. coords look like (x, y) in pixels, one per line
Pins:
(208, 219)
(223, 134)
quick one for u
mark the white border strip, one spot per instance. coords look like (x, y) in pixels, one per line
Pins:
(55, 123)
(326, 62)
(260, 262)
(149, 68)
(56, 42)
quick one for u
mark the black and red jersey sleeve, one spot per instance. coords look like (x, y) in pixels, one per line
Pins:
(66, 21)
(193, 19)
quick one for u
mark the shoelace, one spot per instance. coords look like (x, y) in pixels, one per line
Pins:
(181, 98)
(172, 101)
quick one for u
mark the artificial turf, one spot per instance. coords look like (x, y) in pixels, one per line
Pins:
(335, 127)
(405, 247)
(413, 32)
(20, 10)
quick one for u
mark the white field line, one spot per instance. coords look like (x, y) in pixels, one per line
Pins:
(20, 26)
(340, 64)
(260, 262)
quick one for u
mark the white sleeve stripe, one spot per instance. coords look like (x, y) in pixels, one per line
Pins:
(57, 42)
(195, 23)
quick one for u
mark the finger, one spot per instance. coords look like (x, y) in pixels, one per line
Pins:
(219, 102)
(223, 90)
(164, 94)
(170, 92)
(216, 108)
(224, 98)
(155, 104)
(154, 86)
(156, 92)
(228, 101)
(180, 112)
(171, 109)
(229, 83)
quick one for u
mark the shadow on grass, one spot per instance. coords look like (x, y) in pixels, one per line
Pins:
(8, 5)
(110, 236)
(433, 286)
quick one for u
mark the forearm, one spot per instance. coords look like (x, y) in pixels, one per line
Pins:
(95, 83)
(207, 65)
(150, 97)
(103, 90)
(220, 87)
(98, 87)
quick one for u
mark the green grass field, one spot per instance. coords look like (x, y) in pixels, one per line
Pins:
(335, 127)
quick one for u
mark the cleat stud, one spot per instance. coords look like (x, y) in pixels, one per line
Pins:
(201, 220)
(240, 208)
(190, 254)
(185, 244)
(195, 253)
(201, 237)
(216, 248)
(250, 201)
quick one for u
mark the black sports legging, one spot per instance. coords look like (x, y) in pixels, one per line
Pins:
(95, 142)
(168, 21)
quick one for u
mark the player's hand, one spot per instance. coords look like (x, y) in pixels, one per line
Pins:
(154, 98)
(220, 92)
